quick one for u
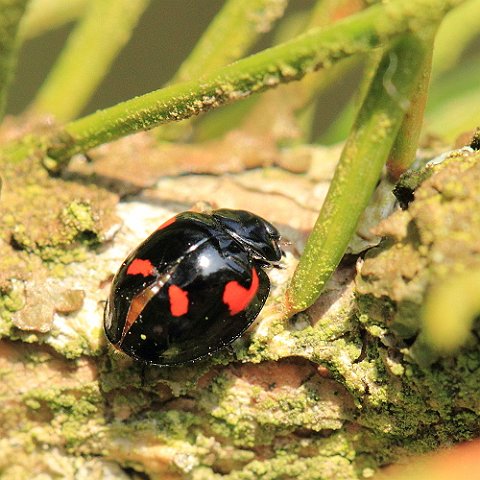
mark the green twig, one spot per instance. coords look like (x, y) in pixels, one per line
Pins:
(230, 117)
(44, 15)
(91, 48)
(457, 31)
(283, 63)
(233, 31)
(359, 169)
(287, 112)
(455, 34)
(11, 14)
(405, 147)
(338, 131)
(229, 36)
(325, 13)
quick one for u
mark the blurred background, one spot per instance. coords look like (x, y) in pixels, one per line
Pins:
(165, 35)
(169, 29)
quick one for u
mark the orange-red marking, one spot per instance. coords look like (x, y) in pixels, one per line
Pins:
(178, 301)
(138, 303)
(140, 267)
(236, 297)
(167, 223)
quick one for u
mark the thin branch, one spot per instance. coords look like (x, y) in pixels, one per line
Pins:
(456, 32)
(229, 36)
(359, 169)
(232, 32)
(283, 63)
(45, 15)
(11, 14)
(405, 147)
(91, 49)
(287, 112)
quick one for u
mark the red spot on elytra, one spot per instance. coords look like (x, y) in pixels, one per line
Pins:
(140, 267)
(178, 301)
(167, 223)
(236, 297)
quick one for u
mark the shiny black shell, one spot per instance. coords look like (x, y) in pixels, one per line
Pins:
(192, 287)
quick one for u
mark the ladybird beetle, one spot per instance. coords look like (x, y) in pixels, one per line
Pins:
(192, 287)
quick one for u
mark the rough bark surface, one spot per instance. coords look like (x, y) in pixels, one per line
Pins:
(335, 392)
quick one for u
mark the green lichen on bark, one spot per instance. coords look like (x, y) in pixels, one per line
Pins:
(433, 239)
(46, 224)
(68, 221)
(427, 243)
